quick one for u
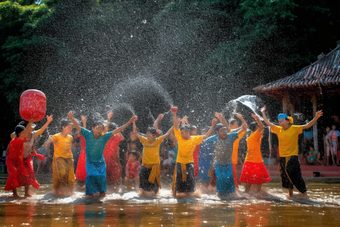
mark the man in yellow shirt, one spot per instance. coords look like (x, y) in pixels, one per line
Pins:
(184, 179)
(150, 172)
(287, 133)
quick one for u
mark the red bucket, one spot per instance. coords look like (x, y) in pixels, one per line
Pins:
(32, 105)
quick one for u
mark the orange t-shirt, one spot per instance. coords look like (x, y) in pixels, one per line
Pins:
(234, 157)
(254, 147)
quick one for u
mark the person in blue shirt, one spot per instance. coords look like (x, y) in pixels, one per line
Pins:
(95, 164)
(223, 149)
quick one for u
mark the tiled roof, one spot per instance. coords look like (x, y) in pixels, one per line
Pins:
(325, 72)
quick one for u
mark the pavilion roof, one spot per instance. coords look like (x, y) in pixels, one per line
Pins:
(324, 72)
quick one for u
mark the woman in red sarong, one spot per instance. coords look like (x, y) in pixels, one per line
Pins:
(29, 150)
(17, 173)
(254, 172)
(111, 156)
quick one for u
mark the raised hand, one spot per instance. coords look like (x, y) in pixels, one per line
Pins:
(319, 114)
(134, 119)
(49, 118)
(214, 121)
(239, 116)
(160, 117)
(255, 116)
(70, 115)
(218, 115)
(109, 114)
(83, 118)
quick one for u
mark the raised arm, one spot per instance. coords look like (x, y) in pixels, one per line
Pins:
(135, 130)
(158, 119)
(83, 120)
(184, 120)
(259, 122)
(265, 119)
(109, 115)
(222, 119)
(174, 117)
(24, 133)
(121, 128)
(168, 132)
(243, 126)
(213, 123)
(318, 114)
(43, 128)
(74, 122)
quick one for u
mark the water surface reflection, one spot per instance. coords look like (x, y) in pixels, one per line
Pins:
(127, 209)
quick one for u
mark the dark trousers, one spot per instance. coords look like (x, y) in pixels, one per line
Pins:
(290, 173)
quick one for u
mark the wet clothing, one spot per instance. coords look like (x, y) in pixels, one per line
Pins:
(289, 166)
(132, 169)
(205, 162)
(186, 148)
(63, 172)
(290, 173)
(223, 150)
(254, 171)
(81, 165)
(224, 179)
(96, 177)
(15, 165)
(111, 156)
(288, 139)
(196, 156)
(151, 164)
(95, 165)
(62, 146)
(184, 176)
(234, 157)
(148, 181)
(28, 163)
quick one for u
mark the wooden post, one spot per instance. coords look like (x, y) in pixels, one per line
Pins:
(315, 126)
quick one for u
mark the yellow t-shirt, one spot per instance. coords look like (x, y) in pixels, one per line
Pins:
(234, 157)
(151, 150)
(254, 147)
(288, 139)
(62, 146)
(186, 148)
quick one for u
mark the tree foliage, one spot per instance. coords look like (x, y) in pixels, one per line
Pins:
(212, 49)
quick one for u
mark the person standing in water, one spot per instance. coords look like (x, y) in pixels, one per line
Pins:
(254, 172)
(289, 165)
(17, 172)
(95, 164)
(232, 126)
(63, 170)
(184, 179)
(223, 143)
(150, 174)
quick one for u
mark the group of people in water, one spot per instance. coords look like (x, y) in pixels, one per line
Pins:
(209, 160)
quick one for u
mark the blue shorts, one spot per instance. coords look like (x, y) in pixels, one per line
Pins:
(96, 177)
(224, 179)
